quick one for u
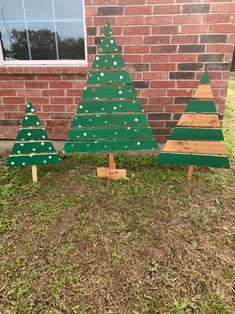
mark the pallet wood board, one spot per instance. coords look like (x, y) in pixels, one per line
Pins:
(205, 78)
(111, 120)
(196, 160)
(109, 92)
(32, 159)
(199, 120)
(108, 44)
(195, 147)
(110, 133)
(108, 62)
(109, 77)
(110, 146)
(127, 105)
(182, 133)
(27, 134)
(32, 147)
(201, 106)
(30, 120)
(203, 92)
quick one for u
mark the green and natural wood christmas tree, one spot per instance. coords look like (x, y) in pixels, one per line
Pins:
(32, 146)
(197, 139)
(109, 118)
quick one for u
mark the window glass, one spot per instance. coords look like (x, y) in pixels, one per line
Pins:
(42, 29)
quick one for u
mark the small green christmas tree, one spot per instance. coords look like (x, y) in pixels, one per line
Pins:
(109, 118)
(32, 146)
(197, 138)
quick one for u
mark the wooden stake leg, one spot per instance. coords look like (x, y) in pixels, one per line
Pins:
(111, 172)
(190, 173)
(34, 174)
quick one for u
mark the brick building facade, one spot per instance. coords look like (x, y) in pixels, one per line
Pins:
(166, 45)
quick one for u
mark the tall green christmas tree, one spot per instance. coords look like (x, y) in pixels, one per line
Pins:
(197, 139)
(32, 146)
(109, 118)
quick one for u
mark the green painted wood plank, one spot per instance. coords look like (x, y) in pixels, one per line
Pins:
(197, 134)
(107, 29)
(32, 147)
(30, 160)
(30, 120)
(201, 106)
(108, 62)
(109, 120)
(127, 105)
(195, 160)
(110, 133)
(31, 134)
(29, 108)
(109, 77)
(105, 92)
(108, 44)
(110, 146)
(205, 78)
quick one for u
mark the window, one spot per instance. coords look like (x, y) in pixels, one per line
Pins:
(42, 31)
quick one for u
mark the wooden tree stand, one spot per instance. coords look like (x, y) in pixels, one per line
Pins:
(34, 174)
(111, 172)
(190, 173)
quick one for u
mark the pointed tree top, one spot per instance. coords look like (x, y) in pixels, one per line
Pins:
(107, 29)
(205, 78)
(29, 108)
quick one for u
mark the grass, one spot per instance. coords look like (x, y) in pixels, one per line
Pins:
(152, 243)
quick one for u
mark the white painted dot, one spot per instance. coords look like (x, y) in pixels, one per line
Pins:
(28, 105)
(136, 119)
(79, 126)
(12, 163)
(18, 151)
(23, 163)
(111, 41)
(97, 115)
(97, 65)
(114, 108)
(42, 143)
(29, 134)
(102, 109)
(44, 161)
(121, 77)
(34, 149)
(37, 123)
(125, 146)
(119, 87)
(85, 134)
(26, 118)
(43, 136)
(115, 133)
(142, 110)
(22, 139)
(50, 148)
(86, 110)
(98, 78)
(93, 135)
(114, 62)
(49, 157)
(97, 58)
(90, 120)
(80, 106)
(130, 90)
(120, 92)
(102, 74)
(21, 144)
(138, 143)
(32, 110)
(133, 101)
(63, 152)
(95, 142)
(106, 60)
(96, 98)
(105, 146)
(105, 121)
(135, 130)
(128, 128)
(85, 88)
(87, 144)
(125, 122)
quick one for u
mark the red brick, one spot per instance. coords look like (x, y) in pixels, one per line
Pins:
(159, 20)
(162, 67)
(215, 18)
(175, 108)
(36, 84)
(180, 92)
(53, 92)
(184, 39)
(45, 77)
(7, 92)
(131, 40)
(138, 10)
(138, 30)
(156, 58)
(61, 84)
(74, 92)
(183, 58)
(223, 7)
(11, 84)
(161, 84)
(165, 29)
(156, 40)
(130, 20)
(217, 48)
(132, 2)
(187, 19)
(133, 58)
(38, 100)
(222, 28)
(194, 29)
(29, 92)
(167, 9)
(53, 108)
(61, 100)
(137, 49)
(13, 100)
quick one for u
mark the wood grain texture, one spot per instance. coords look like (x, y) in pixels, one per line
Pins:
(203, 92)
(199, 120)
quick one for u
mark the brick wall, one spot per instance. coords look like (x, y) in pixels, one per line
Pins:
(166, 45)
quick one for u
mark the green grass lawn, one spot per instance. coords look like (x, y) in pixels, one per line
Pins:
(152, 243)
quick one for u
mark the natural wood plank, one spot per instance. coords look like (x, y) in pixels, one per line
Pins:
(199, 120)
(190, 173)
(203, 92)
(34, 174)
(195, 147)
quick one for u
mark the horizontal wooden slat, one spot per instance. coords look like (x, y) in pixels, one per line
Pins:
(108, 62)
(203, 106)
(104, 92)
(31, 134)
(127, 105)
(195, 160)
(30, 120)
(30, 160)
(110, 146)
(108, 44)
(32, 147)
(199, 120)
(109, 77)
(195, 147)
(197, 134)
(110, 133)
(109, 120)
(203, 92)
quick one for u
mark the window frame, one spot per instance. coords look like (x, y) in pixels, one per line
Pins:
(67, 62)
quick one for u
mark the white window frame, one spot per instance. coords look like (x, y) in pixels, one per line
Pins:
(50, 62)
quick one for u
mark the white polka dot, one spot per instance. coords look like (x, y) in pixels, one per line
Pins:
(115, 133)
(80, 107)
(125, 146)
(43, 136)
(125, 122)
(102, 74)
(23, 163)
(128, 128)
(26, 118)
(97, 115)
(29, 134)
(22, 139)
(114, 108)
(85, 134)
(120, 92)
(130, 90)
(105, 146)
(95, 142)
(18, 151)
(106, 60)
(34, 149)
(32, 110)
(97, 65)
(96, 98)
(49, 157)
(90, 120)
(50, 148)
(97, 58)
(138, 143)
(22, 144)
(142, 110)
(44, 161)
(85, 88)
(12, 163)
(121, 77)
(133, 101)
(79, 126)
(114, 62)
(135, 130)
(63, 152)
(93, 135)
(136, 119)
(37, 123)
(42, 143)
(111, 41)
(28, 105)
(102, 109)
(105, 121)
(87, 144)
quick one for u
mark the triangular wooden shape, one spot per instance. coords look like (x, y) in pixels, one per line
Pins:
(205, 78)
(203, 92)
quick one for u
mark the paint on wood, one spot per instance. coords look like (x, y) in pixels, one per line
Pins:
(127, 106)
(197, 134)
(106, 92)
(30, 120)
(108, 62)
(201, 106)
(109, 77)
(205, 78)
(32, 147)
(32, 159)
(108, 44)
(28, 134)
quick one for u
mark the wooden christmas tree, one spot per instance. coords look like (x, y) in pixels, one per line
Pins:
(32, 147)
(197, 138)
(109, 118)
